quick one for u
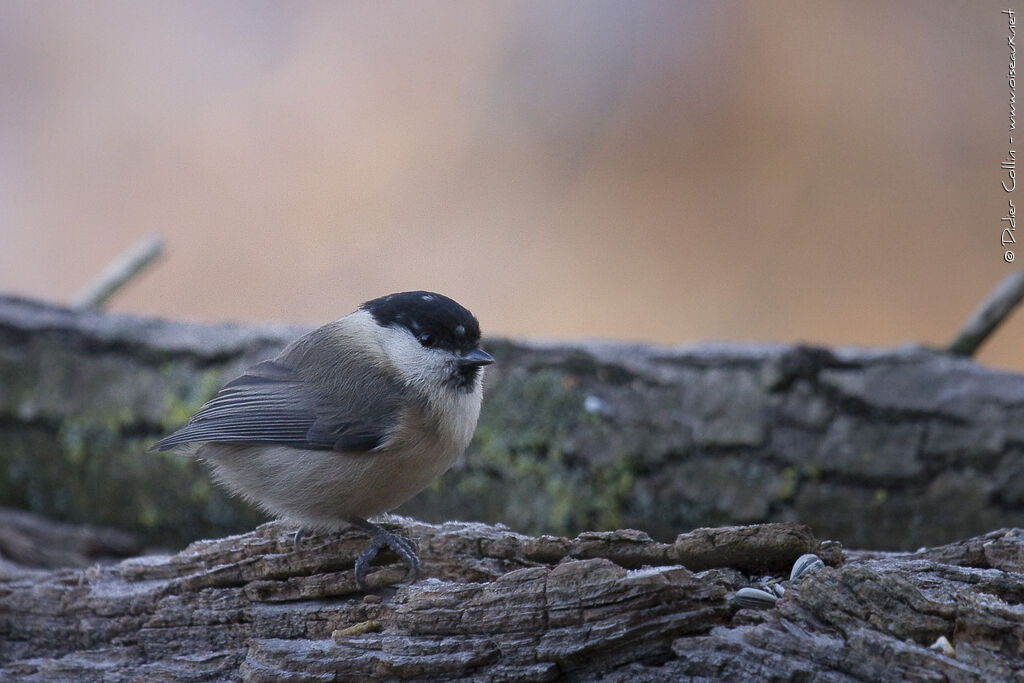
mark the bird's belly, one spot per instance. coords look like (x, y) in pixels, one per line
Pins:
(322, 489)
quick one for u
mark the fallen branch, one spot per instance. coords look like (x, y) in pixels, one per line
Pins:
(34, 541)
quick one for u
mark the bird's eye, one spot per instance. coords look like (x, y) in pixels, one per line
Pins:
(427, 340)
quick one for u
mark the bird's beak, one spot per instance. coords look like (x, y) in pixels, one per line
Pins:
(475, 359)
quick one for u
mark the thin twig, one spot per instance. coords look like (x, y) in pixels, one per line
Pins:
(989, 315)
(119, 272)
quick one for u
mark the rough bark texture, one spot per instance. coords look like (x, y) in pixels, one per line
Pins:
(496, 605)
(892, 449)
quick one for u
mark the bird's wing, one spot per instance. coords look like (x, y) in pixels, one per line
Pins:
(272, 404)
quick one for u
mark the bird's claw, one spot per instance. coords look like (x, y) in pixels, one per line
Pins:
(300, 533)
(379, 538)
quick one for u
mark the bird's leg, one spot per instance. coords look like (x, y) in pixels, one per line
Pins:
(300, 533)
(379, 537)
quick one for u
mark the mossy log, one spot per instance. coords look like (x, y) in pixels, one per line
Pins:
(496, 605)
(890, 449)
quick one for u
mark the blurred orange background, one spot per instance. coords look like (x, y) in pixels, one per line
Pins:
(661, 171)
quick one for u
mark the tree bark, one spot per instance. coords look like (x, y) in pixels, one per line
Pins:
(891, 449)
(497, 605)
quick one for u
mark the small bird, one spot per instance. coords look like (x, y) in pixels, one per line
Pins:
(350, 420)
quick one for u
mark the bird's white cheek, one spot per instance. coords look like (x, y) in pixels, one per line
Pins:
(462, 410)
(415, 365)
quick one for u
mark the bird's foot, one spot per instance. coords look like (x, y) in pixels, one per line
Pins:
(300, 533)
(379, 538)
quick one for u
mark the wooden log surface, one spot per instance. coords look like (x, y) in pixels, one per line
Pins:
(496, 605)
(885, 449)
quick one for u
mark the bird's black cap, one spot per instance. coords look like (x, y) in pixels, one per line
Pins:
(452, 325)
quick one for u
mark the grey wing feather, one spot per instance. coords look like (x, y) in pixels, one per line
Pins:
(272, 404)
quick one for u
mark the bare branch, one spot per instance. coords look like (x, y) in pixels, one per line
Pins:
(118, 273)
(989, 315)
